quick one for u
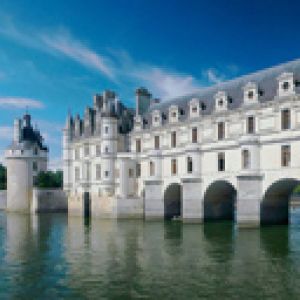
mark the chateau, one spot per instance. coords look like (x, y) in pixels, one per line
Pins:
(230, 151)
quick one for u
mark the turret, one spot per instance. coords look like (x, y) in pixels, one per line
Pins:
(67, 154)
(25, 158)
(88, 122)
(109, 138)
(98, 102)
(27, 120)
(17, 130)
(77, 126)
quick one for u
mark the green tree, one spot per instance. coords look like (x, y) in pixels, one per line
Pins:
(49, 179)
(2, 177)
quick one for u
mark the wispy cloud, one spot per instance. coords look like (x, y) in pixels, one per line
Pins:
(20, 103)
(72, 48)
(213, 76)
(166, 84)
(6, 132)
(58, 41)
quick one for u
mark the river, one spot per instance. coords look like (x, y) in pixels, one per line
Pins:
(53, 257)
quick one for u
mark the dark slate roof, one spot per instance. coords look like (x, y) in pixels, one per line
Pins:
(266, 81)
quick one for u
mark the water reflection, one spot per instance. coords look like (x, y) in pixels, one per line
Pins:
(51, 256)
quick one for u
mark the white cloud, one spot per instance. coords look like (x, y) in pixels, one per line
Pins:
(167, 84)
(56, 42)
(20, 103)
(72, 48)
(213, 76)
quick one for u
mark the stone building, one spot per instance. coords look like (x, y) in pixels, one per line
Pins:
(25, 157)
(230, 151)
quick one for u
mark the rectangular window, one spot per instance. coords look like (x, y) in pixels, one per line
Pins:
(77, 152)
(34, 166)
(189, 165)
(152, 168)
(194, 135)
(285, 119)
(285, 155)
(98, 150)
(106, 173)
(250, 125)
(86, 150)
(138, 170)
(138, 145)
(173, 139)
(98, 172)
(77, 173)
(130, 173)
(156, 142)
(173, 166)
(221, 130)
(221, 161)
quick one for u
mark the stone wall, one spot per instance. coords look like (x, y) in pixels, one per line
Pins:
(49, 200)
(3, 196)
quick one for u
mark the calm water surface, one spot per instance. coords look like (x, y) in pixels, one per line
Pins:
(51, 256)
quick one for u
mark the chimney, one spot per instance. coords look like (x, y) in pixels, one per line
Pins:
(143, 100)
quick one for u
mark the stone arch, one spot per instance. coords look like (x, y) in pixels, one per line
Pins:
(274, 207)
(219, 201)
(173, 201)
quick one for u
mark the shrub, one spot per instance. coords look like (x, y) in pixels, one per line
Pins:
(49, 179)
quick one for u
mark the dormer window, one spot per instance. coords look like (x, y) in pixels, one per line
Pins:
(156, 118)
(194, 108)
(173, 113)
(251, 93)
(221, 100)
(138, 122)
(286, 85)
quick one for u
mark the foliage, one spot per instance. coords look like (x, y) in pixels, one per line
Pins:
(49, 179)
(2, 177)
(297, 189)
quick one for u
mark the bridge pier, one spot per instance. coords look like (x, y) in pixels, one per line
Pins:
(192, 203)
(249, 196)
(154, 200)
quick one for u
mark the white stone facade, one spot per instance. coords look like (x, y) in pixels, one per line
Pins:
(231, 147)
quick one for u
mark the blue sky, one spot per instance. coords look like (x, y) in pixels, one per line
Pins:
(54, 55)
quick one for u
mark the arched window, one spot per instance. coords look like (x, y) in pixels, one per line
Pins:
(245, 159)
(189, 165)
(151, 168)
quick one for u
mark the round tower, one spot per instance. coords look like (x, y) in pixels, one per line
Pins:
(25, 158)
(109, 143)
(67, 155)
